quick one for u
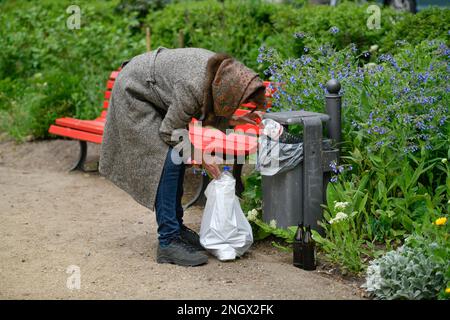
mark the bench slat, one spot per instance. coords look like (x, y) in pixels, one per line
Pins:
(210, 139)
(75, 134)
(114, 75)
(110, 84)
(93, 126)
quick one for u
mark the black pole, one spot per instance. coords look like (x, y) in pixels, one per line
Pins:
(333, 103)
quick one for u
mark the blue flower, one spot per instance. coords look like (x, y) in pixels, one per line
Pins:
(423, 77)
(299, 35)
(334, 30)
(305, 59)
(260, 58)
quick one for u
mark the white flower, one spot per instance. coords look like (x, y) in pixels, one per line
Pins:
(341, 205)
(252, 214)
(444, 160)
(339, 217)
(369, 65)
(273, 223)
(373, 48)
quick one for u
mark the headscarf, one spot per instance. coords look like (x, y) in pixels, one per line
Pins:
(233, 84)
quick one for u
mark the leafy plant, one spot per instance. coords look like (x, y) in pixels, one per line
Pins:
(406, 273)
(48, 71)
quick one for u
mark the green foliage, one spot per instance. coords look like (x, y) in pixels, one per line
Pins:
(432, 23)
(252, 195)
(48, 71)
(141, 7)
(262, 230)
(406, 273)
(343, 243)
(349, 18)
(236, 27)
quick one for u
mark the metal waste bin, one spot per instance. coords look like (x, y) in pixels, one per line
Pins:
(295, 196)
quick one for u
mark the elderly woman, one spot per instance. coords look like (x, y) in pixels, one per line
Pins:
(155, 94)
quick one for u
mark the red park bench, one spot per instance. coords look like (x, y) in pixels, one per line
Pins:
(241, 143)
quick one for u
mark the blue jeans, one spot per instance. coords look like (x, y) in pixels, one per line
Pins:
(169, 212)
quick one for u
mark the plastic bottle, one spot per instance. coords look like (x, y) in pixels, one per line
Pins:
(276, 131)
(227, 172)
(309, 252)
(299, 246)
(272, 129)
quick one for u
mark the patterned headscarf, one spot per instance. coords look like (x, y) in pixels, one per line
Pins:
(233, 84)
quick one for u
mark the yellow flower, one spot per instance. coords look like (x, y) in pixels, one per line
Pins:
(447, 290)
(440, 221)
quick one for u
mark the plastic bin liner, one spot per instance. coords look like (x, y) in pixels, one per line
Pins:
(224, 232)
(278, 150)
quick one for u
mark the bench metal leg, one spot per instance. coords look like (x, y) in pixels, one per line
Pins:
(199, 197)
(79, 165)
(237, 174)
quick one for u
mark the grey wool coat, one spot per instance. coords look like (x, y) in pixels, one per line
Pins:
(154, 94)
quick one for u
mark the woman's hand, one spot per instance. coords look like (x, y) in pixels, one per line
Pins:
(213, 169)
(207, 164)
(251, 118)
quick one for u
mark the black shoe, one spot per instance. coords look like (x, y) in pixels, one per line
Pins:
(191, 237)
(181, 253)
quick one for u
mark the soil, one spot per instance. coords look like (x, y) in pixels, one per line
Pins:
(52, 219)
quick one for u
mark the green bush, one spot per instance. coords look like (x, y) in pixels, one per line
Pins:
(350, 19)
(236, 27)
(48, 71)
(141, 7)
(432, 23)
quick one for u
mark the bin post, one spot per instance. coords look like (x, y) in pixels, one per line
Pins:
(312, 172)
(333, 103)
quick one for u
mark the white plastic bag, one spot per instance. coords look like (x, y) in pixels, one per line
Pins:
(225, 232)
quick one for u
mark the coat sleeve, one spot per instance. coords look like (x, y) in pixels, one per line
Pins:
(180, 112)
